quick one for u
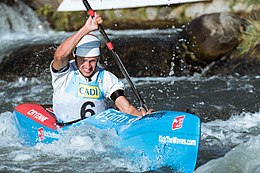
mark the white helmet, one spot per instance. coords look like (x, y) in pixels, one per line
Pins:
(88, 46)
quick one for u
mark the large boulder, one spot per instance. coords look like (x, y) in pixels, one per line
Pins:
(214, 35)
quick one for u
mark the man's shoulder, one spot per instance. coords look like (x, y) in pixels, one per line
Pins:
(108, 73)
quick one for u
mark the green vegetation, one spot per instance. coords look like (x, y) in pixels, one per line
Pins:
(247, 2)
(251, 37)
(62, 21)
(252, 2)
(46, 10)
(68, 21)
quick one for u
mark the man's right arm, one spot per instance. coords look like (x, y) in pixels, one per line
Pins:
(61, 56)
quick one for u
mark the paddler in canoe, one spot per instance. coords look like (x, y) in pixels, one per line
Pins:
(81, 86)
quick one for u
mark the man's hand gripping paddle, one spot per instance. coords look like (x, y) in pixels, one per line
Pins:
(116, 57)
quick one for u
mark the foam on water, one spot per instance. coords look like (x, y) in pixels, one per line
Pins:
(95, 151)
(82, 149)
(24, 90)
(236, 130)
(243, 132)
(245, 158)
(8, 132)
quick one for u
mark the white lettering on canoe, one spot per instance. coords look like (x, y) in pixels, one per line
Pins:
(175, 140)
(116, 118)
(36, 115)
(52, 135)
(119, 118)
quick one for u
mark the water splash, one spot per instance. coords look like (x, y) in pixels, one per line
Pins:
(8, 132)
(20, 19)
(236, 130)
(80, 149)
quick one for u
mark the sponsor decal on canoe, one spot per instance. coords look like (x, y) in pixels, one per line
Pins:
(88, 91)
(41, 133)
(177, 122)
(36, 115)
(176, 140)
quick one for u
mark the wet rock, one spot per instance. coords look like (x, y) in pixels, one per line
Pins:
(27, 61)
(214, 35)
(141, 56)
(8, 2)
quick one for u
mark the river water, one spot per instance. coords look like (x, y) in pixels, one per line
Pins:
(229, 108)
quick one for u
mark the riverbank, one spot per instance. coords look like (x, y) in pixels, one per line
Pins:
(161, 17)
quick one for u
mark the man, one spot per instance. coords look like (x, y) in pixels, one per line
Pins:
(81, 86)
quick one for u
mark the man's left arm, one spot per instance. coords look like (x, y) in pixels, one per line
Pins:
(125, 106)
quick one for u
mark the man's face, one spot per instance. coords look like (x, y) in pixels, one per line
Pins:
(87, 65)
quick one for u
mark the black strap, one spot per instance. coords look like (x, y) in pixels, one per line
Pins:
(117, 94)
(68, 123)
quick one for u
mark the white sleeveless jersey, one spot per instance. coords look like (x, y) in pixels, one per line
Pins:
(75, 97)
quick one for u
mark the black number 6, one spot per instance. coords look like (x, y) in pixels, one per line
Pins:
(84, 109)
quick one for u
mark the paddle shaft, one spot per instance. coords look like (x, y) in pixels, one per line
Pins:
(116, 57)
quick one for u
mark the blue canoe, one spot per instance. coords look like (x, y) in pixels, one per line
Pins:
(172, 137)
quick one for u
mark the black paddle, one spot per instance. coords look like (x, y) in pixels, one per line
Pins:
(116, 57)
